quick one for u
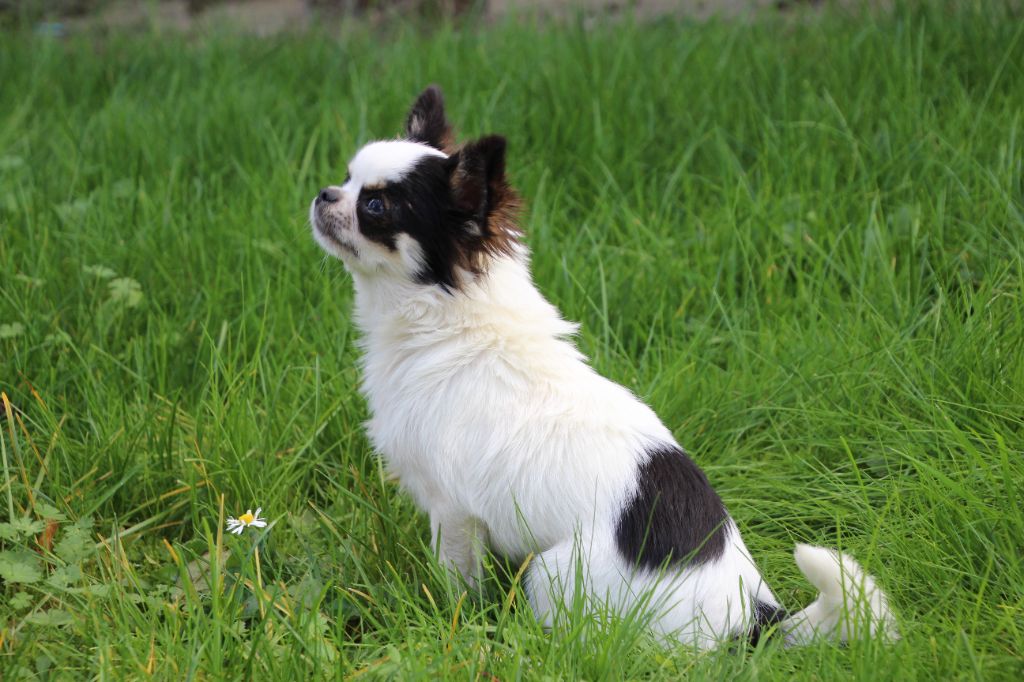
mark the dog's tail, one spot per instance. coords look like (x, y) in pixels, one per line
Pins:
(850, 605)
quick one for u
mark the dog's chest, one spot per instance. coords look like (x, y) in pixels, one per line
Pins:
(432, 415)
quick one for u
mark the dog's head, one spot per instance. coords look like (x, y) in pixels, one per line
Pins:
(419, 208)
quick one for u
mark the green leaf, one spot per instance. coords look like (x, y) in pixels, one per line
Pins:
(20, 600)
(20, 527)
(57, 338)
(101, 271)
(98, 590)
(19, 672)
(9, 532)
(29, 280)
(11, 329)
(125, 290)
(123, 188)
(307, 591)
(10, 162)
(72, 210)
(76, 542)
(19, 566)
(316, 631)
(51, 618)
(48, 511)
(65, 576)
(29, 526)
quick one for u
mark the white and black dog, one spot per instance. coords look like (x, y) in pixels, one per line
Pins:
(501, 432)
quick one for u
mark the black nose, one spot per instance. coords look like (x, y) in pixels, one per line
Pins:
(329, 195)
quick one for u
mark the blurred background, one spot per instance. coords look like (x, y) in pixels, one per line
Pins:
(273, 16)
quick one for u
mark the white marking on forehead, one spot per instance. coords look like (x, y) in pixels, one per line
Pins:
(381, 162)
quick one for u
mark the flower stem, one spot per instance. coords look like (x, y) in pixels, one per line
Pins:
(259, 584)
(3, 450)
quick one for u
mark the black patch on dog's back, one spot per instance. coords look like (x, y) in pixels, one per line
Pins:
(674, 515)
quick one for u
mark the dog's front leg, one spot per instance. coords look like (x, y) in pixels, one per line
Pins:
(459, 541)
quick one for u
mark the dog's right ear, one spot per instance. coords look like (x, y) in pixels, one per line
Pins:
(427, 122)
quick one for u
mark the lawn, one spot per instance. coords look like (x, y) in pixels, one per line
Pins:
(801, 240)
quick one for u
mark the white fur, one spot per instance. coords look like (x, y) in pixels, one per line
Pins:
(387, 161)
(850, 604)
(501, 432)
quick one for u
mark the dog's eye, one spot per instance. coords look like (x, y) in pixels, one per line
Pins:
(375, 206)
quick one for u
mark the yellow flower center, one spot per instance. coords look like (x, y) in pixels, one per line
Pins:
(247, 518)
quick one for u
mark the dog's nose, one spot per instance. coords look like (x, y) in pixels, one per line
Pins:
(329, 195)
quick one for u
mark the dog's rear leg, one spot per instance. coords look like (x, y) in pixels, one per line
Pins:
(550, 582)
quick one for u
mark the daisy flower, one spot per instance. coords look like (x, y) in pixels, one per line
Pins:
(237, 526)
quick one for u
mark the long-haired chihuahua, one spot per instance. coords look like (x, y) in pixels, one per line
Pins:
(496, 425)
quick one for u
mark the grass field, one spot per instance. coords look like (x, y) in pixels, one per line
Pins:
(802, 242)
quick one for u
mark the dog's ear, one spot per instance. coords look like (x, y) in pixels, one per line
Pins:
(427, 123)
(485, 207)
(477, 176)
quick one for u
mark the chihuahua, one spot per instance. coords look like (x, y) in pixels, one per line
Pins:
(493, 421)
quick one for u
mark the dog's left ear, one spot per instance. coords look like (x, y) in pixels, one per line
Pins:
(427, 123)
(477, 176)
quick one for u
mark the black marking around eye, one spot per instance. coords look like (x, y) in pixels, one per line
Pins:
(451, 238)
(377, 227)
(419, 205)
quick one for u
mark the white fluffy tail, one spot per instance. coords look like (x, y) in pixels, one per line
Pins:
(850, 604)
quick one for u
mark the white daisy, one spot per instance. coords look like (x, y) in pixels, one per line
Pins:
(247, 519)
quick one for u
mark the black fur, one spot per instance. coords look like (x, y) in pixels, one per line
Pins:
(674, 516)
(478, 172)
(427, 122)
(421, 206)
(378, 228)
(765, 616)
(452, 207)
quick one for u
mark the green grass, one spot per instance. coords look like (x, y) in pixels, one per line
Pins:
(801, 242)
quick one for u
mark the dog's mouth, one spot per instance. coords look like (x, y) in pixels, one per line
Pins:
(328, 228)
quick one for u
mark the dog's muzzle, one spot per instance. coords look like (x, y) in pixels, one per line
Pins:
(329, 195)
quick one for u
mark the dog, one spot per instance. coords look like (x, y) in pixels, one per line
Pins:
(501, 432)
